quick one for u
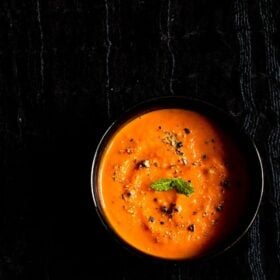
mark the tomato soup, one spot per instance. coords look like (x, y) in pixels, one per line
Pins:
(172, 183)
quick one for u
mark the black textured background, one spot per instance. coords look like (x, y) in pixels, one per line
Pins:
(67, 68)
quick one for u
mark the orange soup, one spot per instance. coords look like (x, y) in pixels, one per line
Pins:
(172, 183)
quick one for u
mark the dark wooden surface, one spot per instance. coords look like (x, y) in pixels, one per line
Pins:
(67, 68)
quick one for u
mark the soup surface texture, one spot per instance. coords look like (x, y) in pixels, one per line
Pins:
(142, 168)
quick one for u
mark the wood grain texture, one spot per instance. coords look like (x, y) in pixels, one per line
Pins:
(68, 68)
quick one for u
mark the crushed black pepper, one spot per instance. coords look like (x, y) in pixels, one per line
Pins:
(143, 164)
(169, 211)
(126, 195)
(191, 228)
(179, 145)
(151, 219)
(114, 176)
(220, 207)
(171, 139)
(178, 152)
(172, 205)
(204, 157)
(163, 209)
(187, 131)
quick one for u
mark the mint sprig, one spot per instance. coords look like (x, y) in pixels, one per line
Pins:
(178, 184)
(162, 185)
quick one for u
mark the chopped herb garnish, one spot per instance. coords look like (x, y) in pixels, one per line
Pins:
(162, 185)
(178, 184)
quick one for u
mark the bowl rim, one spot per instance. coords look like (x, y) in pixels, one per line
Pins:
(153, 104)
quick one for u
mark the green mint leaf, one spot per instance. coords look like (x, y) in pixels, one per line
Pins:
(180, 185)
(183, 187)
(162, 185)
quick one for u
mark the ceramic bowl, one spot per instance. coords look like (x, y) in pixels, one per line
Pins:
(244, 142)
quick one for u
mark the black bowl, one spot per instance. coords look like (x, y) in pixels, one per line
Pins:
(246, 145)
